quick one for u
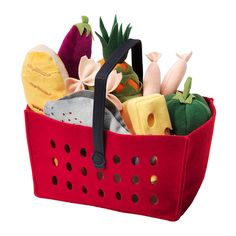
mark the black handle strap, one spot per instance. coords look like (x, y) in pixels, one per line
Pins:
(100, 94)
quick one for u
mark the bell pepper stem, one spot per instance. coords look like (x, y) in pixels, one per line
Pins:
(185, 97)
(187, 87)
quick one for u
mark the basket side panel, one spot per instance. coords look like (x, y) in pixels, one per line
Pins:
(143, 174)
(197, 159)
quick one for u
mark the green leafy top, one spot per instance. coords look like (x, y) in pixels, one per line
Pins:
(185, 97)
(116, 38)
(84, 25)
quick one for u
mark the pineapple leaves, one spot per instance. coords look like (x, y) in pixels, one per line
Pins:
(104, 31)
(127, 32)
(115, 22)
(103, 41)
(115, 39)
(120, 36)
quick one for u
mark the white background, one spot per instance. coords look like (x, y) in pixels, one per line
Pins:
(205, 27)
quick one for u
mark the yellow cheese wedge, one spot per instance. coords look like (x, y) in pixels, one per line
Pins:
(147, 115)
(43, 75)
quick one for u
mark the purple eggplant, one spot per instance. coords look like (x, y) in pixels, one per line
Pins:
(77, 43)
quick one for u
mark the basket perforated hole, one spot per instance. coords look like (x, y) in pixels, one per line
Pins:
(69, 185)
(135, 160)
(83, 152)
(116, 159)
(153, 179)
(68, 166)
(153, 200)
(101, 193)
(134, 198)
(53, 144)
(55, 161)
(54, 180)
(117, 178)
(84, 171)
(67, 148)
(84, 189)
(135, 179)
(153, 160)
(118, 196)
(151, 119)
(100, 175)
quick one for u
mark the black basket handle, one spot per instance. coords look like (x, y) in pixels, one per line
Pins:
(100, 93)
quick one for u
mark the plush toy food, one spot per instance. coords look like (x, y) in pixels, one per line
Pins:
(152, 78)
(43, 77)
(77, 43)
(88, 69)
(130, 85)
(187, 111)
(147, 115)
(175, 75)
(77, 108)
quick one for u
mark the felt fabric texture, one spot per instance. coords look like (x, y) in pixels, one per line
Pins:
(88, 69)
(187, 111)
(152, 77)
(77, 43)
(43, 75)
(175, 75)
(77, 108)
(147, 115)
(114, 40)
(180, 167)
(130, 86)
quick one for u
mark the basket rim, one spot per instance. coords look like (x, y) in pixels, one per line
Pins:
(210, 102)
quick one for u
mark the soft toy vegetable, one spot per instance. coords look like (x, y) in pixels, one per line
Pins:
(77, 43)
(130, 85)
(187, 111)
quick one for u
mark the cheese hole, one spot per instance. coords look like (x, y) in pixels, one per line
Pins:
(167, 131)
(151, 119)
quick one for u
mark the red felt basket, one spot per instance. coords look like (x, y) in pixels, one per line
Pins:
(156, 175)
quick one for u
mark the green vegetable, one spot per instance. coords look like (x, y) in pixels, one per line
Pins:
(187, 111)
